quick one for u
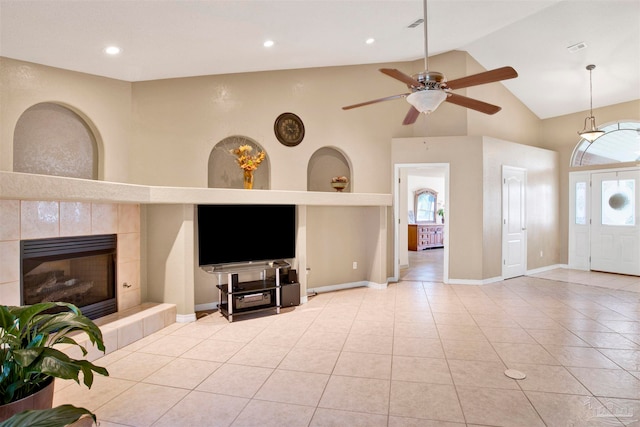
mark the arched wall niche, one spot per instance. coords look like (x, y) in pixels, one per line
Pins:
(224, 171)
(324, 164)
(55, 139)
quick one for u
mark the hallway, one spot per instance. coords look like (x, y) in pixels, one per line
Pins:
(425, 266)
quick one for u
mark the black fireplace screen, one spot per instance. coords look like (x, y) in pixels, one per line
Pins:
(78, 270)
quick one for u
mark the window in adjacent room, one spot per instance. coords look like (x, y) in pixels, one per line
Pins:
(426, 202)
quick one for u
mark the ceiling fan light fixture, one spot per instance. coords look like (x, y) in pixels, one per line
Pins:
(426, 101)
(590, 132)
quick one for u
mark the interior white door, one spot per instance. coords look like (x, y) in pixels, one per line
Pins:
(615, 226)
(514, 228)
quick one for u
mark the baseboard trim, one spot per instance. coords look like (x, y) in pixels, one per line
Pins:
(207, 306)
(185, 318)
(339, 287)
(474, 282)
(546, 268)
(343, 286)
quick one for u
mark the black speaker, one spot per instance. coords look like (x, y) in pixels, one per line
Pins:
(292, 277)
(290, 295)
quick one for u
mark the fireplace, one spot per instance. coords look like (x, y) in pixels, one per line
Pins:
(78, 270)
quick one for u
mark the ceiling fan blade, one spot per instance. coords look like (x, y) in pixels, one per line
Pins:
(373, 101)
(491, 76)
(474, 104)
(399, 75)
(411, 117)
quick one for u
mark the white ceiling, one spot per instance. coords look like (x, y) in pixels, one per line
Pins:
(178, 38)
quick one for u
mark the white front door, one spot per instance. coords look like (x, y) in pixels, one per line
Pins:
(514, 228)
(615, 223)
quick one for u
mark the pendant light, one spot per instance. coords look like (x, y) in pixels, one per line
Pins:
(590, 131)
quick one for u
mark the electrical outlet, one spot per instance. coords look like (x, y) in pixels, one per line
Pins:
(541, 254)
(355, 265)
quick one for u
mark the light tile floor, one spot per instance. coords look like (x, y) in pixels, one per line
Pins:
(419, 353)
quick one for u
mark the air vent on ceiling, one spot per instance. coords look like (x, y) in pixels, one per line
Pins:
(416, 23)
(576, 47)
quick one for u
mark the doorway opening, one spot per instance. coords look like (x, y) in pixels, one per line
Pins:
(431, 262)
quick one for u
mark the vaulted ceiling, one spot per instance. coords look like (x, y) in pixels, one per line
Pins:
(179, 38)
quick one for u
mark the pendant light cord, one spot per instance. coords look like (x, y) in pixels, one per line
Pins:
(590, 68)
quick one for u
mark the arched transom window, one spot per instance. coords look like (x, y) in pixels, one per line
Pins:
(619, 144)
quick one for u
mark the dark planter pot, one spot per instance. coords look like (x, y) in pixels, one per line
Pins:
(42, 399)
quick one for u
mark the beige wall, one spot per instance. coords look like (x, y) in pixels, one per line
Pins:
(515, 122)
(170, 252)
(337, 238)
(542, 203)
(105, 104)
(178, 121)
(475, 199)
(464, 156)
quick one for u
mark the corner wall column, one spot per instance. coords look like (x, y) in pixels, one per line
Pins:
(170, 268)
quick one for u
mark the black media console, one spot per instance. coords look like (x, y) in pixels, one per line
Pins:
(276, 287)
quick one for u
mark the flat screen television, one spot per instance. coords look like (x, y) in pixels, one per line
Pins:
(229, 234)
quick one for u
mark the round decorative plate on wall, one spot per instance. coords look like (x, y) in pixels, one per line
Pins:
(289, 129)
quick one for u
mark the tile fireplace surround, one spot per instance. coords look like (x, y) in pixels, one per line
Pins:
(36, 219)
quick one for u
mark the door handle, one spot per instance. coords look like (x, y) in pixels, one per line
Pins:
(524, 228)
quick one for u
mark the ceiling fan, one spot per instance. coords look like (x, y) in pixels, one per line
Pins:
(430, 88)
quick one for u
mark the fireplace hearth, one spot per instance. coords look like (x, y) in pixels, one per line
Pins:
(79, 270)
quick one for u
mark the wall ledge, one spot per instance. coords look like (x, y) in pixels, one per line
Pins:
(24, 186)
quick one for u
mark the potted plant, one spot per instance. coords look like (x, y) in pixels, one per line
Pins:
(441, 214)
(29, 361)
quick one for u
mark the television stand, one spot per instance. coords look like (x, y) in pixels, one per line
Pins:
(238, 297)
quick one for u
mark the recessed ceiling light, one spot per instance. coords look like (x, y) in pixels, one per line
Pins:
(370, 41)
(268, 43)
(112, 50)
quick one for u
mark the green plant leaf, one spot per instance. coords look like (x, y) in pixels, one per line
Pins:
(7, 319)
(25, 357)
(57, 364)
(28, 357)
(26, 313)
(52, 417)
(87, 371)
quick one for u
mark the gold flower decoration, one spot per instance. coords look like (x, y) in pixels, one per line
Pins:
(245, 160)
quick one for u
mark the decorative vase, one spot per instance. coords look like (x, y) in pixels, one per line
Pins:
(339, 186)
(248, 179)
(339, 183)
